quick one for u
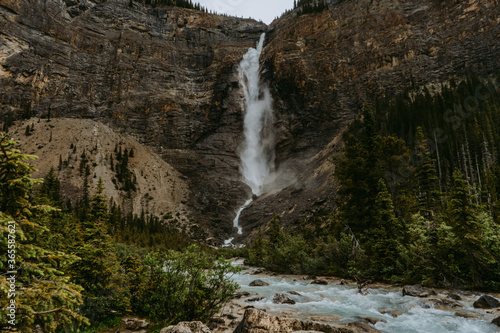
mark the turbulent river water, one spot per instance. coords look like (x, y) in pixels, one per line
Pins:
(417, 316)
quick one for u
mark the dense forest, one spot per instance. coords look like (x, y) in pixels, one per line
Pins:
(75, 267)
(418, 199)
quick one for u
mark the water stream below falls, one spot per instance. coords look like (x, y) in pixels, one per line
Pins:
(344, 301)
(227, 242)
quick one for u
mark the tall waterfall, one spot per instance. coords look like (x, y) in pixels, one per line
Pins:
(257, 156)
(257, 153)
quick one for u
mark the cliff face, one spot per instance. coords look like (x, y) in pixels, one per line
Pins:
(165, 76)
(168, 78)
(322, 68)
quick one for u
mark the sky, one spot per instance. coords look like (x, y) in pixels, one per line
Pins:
(265, 10)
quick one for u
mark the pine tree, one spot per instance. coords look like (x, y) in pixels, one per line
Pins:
(50, 190)
(426, 175)
(44, 294)
(387, 235)
(15, 181)
(99, 208)
(357, 173)
(463, 216)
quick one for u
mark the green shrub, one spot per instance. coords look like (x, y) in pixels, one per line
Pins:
(183, 286)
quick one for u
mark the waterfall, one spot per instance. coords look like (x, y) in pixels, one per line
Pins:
(257, 153)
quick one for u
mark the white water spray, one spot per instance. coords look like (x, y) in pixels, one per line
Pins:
(257, 154)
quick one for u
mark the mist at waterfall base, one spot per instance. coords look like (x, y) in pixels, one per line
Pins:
(257, 149)
(347, 305)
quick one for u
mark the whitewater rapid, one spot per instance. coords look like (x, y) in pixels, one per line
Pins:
(348, 305)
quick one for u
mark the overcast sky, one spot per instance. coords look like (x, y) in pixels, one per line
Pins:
(265, 10)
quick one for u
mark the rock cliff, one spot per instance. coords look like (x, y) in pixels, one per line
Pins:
(323, 67)
(164, 76)
(167, 77)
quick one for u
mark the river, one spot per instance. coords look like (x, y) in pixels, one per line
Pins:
(345, 304)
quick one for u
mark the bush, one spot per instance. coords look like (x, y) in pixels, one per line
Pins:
(183, 286)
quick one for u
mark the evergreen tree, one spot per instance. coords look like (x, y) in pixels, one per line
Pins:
(387, 235)
(99, 208)
(44, 294)
(358, 177)
(426, 175)
(463, 215)
(50, 191)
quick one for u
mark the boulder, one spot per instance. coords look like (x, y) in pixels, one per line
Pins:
(486, 302)
(465, 314)
(255, 299)
(294, 293)
(456, 297)
(282, 299)
(256, 321)
(417, 291)
(134, 324)
(496, 321)
(258, 283)
(443, 303)
(319, 281)
(187, 327)
(216, 323)
(309, 277)
(390, 311)
(240, 294)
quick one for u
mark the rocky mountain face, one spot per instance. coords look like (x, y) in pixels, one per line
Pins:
(164, 76)
(167, 78)
(323, 67)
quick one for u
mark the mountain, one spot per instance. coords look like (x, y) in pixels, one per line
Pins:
(164, 81)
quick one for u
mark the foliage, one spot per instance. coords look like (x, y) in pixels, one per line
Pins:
(183, 286)
(44, 294)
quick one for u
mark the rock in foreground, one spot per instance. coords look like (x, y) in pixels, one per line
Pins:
(486, 302)
(187, 327)
(257, 321)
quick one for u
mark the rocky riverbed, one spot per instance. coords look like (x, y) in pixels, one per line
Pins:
(285, 303)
